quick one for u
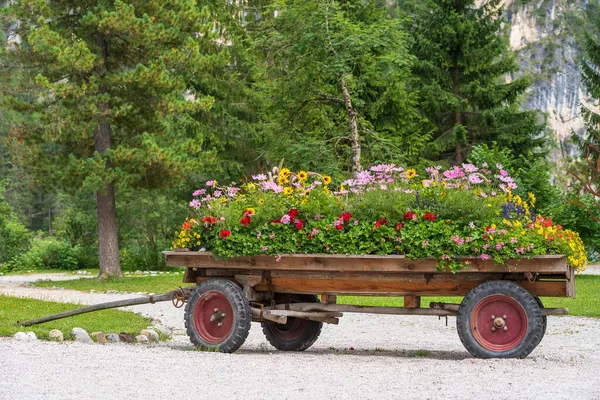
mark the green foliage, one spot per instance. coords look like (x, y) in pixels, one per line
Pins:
(48, 253)
(462, 59)
(14, 237)
(577, 218)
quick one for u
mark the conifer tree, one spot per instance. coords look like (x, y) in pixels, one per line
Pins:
(463, 70)
(108, 78)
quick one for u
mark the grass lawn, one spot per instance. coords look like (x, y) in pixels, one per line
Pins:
(147, 284)
(13, 309)
(587, 302)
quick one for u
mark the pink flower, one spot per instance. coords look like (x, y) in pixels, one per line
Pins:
(475, 179)
(199, 192)
(486, 246)
(285, 219)
(425, 243)
(458, 240)
(475, 250)
(445, 257)
(259, 177)
(514, 240)
(278, 258)
(264, 248)
(499, 245)
(272, 235)
(195, 204)
(258, 235)
(355, 223)
(485, 257)
(210, 183)
(314, 231)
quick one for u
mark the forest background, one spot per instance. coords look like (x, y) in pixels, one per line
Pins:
(116, 111)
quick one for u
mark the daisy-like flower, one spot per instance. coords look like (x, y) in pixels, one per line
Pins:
(411, 173)
(282, 180)
(261, 201)
(284, 172)
(302, 175)
(326, 180)
(288, 190)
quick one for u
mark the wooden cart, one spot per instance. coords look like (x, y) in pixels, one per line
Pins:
(500, 316)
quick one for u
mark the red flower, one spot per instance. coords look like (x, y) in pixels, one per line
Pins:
(275, 221)
(399, 225)
(382, 221)
(346, 216)
(447, 222)
(551, 238)
(340, 227)
(209, 220)
(299, 224)
(245, 221)
(430, 216)
(485, 236)
(488, 228)
(547, 222)
(186, 225)
(246, 212)
(293, 213)
(559, 227)
(225, 233)
(409, 215)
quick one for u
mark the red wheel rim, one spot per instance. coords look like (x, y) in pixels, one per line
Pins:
(291, 330)
(213, 317)
(499, 323)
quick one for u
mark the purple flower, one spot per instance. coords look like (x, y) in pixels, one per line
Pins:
(195, 204)
(259, 177)
(210, 183)
(199, 192)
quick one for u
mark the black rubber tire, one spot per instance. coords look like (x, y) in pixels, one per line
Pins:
(241, 315)
(310, 330)
(530, 305)
(544, 318)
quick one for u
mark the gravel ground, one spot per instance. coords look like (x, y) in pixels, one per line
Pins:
(392, 357)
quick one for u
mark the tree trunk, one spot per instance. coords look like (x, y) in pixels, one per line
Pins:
(108, 243)
(354, 137)
(459, 149)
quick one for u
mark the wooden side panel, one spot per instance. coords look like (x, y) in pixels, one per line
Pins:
(369, 263)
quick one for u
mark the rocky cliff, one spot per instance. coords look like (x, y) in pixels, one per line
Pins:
(545, 34)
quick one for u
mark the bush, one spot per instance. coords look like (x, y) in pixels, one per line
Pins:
(15, 239)
(48, 253)
(135, 258)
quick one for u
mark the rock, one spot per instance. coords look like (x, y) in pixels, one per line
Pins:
(155, 321)
(113, 337)
(150, 334)
(141, 339)
(138, 272)
(112, 292)
(81, 336)
(98, 337)
(25, 336)
(56, 335)
(161, 329)
(126, 337)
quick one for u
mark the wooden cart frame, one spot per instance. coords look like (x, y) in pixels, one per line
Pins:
(280, 293)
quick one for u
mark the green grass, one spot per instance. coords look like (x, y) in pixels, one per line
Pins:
(13, 309)
(147, 284)
(587, 302)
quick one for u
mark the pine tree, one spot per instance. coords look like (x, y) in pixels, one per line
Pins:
(463, 71)
(108, 78)
(332, 79)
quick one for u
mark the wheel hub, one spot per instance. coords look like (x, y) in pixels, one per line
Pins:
(213, 317)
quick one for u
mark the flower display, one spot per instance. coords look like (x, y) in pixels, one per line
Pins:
(448, 214)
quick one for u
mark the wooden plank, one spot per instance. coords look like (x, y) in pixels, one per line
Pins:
(328, 299)
(412, 301)
(447, 288)
(364, 309)
(358, 263)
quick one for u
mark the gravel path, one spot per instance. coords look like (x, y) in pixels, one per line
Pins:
(393, 357)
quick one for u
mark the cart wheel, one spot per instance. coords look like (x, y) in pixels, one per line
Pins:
(499, 319)
(217, 316)
(544, 317)
(297, 334)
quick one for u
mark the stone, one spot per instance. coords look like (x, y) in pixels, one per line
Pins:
(138, 272)
(126, 337)
(161, 329)
(25, 336)
(155, 321)
(56, 335)
(112, 292)
(113, 337)
(150, 334)
(141, 339)
(99, 337)
(81, 336)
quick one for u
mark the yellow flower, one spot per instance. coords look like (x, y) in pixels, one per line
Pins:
(222, 199)
(489, 205)
(444, 185)
(302, 175)
(411, 173)
(282, 180)
(288, 190)
(306, 192)
(342, 187)
(261, 201)
(326, 180)
(284, 172)
(251, 210)
(305, 201)
(532, 198)
(251, 187)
